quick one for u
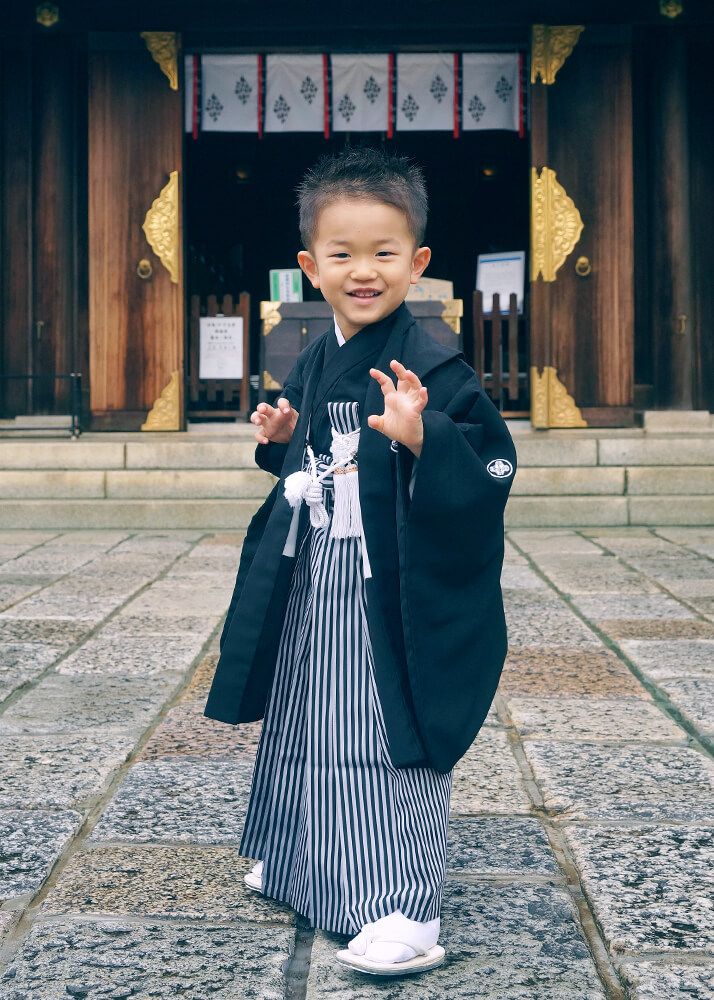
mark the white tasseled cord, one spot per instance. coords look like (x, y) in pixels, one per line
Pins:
(302, 485)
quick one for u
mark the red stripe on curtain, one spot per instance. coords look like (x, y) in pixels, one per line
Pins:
(390, 95)
(326, 92)
(456, 95)
(194, 97)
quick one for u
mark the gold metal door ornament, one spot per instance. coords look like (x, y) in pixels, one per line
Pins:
(556, 224)
(270, 315)
(452, 313)
(583, 267)
(163, 46)
(551, 403)
(161, 227)
(550, 47)
(165, 414)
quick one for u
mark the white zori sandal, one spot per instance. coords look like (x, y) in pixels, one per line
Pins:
(254, 878)
(394, 946)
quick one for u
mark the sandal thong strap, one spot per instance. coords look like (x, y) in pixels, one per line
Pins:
(377, 939)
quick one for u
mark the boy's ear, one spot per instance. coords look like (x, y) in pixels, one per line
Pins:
(419, 263)
(309, 266)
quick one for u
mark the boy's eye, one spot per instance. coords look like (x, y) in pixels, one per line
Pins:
(340, 254)
(386, 251)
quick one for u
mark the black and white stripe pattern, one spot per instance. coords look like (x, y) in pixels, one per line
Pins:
(345, 837)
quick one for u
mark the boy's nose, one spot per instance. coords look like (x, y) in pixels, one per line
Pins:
(363, 272)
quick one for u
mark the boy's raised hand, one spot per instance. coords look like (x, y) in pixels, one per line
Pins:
(275, 423)
(401, 420)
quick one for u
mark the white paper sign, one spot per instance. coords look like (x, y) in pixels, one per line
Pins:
(221, 347)
(501, 273)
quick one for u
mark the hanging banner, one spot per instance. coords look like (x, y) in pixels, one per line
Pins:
(360, 93)
(490, 91)
(294, 94)
(425, 91)
(229, 88)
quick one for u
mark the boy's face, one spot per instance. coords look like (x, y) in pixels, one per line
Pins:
(363, 260)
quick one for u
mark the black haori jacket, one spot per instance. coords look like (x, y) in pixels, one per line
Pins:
(434, 603)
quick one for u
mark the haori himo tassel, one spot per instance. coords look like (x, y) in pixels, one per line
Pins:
(307, 486)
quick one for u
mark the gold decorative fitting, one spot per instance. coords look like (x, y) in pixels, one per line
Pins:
(162, 229)
(670, 8)
(270, 315)
(165, 414)
(555, 224)
(452, 312)
(47, 14)
(163, 46)
(550, 47)
(269, 382)
(551, 403)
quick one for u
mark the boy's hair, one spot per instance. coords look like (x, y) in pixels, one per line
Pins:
(363, 172)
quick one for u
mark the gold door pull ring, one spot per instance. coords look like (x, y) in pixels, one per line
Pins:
(583, 267)
(144, 269)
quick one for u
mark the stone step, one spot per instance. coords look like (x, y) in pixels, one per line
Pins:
(522, 512)
(536, 449)
(252, 483)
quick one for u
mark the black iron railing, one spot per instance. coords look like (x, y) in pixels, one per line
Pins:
(75, 380)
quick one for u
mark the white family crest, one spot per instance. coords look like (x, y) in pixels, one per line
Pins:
(499, 468)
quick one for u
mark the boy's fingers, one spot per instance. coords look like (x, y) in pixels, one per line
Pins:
(384, 380)
(284, 404)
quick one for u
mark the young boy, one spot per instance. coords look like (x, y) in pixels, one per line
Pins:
(366, 625)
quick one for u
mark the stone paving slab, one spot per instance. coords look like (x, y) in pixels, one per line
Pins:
(175, 882)
(487, 778)
(185, 730)
(510, 942)
(45, 770)
(129, 622)
(20, 662)
(596, 575)
(70, 703)
(51, 560)
(660, 981)
(678, 658)
(622, 781)
(515, 577)
(164, 599)
(12, 592)
(535, 619)
(593, 719)
(658, 607)
(185, 799)
(562, 670)
(503, 847)
(55, 632)
(656, 628)
(694, 698)
(136, 656)
(650, 886)
(553, 541)
(202, 677)
(31, 841)
(112, 959)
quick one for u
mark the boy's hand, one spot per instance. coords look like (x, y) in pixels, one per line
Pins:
(401, 420)
(276, 423)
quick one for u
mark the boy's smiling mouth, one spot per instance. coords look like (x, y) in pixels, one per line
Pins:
(365, 293)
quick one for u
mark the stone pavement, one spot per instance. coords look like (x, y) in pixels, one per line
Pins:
(581, 838)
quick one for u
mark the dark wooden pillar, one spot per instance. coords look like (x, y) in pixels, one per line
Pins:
(671, 266)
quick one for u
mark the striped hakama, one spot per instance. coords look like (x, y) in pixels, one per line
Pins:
(345, 837)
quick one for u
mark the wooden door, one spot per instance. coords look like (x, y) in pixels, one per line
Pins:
(41, 313)
(582, 268)
(136, 310)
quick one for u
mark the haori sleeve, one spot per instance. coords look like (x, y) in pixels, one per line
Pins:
(458, 487)
(271, 456)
